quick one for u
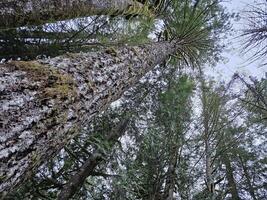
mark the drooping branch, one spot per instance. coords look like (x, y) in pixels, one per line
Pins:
(255, 33)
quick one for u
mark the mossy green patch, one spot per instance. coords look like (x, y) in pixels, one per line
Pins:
(138, 9)
(62, 86)
(34, 69)
(111, 51)
(54, 83)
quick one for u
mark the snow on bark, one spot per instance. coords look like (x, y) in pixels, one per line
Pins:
(45, 103)
(15, 13)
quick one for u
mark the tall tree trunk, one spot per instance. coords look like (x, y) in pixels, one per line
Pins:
(209, 177)
(45, 103)
(247, 176)
(77, 180)
(16, 13)
(172, 163)
(230, 177)
(206, 117)
(170, 180)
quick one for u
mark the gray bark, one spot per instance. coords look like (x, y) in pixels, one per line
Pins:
(87, 169)
(248, 179)
(16, 13)
(171, 173)
(207, 117)
(230, 178)
(45, 103)
(170, 180)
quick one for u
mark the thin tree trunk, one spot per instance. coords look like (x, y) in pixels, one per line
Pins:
(16, 13)
(45, 103)
(170, 180)
(230, 178)
(77, 180)
(171, 172)
(209, 178)
(247, 176)
(206, 136)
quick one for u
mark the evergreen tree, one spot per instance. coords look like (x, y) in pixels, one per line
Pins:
(69, 90)
(47, 102)
(35, 12)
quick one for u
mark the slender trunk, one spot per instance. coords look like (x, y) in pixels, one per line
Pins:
(208, 165)
(209, 178)
(45, 103)
(171, 172)
(170, 180)
(230, 178)
(247, 176)
(16, 13)
(77, 180)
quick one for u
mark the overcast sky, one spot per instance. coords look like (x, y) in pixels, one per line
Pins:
(236, 62)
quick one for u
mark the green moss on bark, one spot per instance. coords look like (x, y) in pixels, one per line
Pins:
(56, 84)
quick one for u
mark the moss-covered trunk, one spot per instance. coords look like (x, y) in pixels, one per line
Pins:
(45, 103)
(16, 13)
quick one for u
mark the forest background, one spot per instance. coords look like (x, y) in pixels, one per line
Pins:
(122, 99)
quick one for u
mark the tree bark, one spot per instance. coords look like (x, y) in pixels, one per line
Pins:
(45, 103)
(206, 118)
(170, 180)
(87, 169)
(248, 179)
(16, 13)
(230, 178)
(171, 172)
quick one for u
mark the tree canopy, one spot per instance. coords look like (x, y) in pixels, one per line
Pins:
(111, 100)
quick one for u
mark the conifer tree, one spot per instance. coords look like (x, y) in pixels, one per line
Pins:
(47, 102)
(35, 12)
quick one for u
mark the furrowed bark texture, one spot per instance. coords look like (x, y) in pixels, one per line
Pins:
(15, 13)
(45, 103)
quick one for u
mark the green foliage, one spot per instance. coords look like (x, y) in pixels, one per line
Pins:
(145, 176)
(140, 166)
(170, 108)
(255, 33)
(121, 31)
(197, 26)
(81, 34)
(255, 98)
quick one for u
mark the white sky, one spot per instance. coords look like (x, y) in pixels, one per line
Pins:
(235, 61)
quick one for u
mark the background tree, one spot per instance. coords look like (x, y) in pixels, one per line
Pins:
(36, 12)
(76, 35)
(154, 172)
